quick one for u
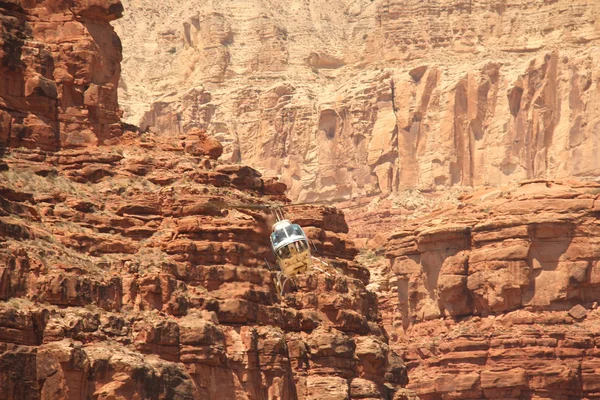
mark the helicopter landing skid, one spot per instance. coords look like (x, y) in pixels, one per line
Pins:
(280, 280)
(320, 270)
(325, 265)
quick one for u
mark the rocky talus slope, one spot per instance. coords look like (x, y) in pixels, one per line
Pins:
(122, 277)
(361, 97)
(498, 298)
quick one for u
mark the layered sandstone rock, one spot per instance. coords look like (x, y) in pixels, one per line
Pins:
(498, 297)
(353, 98)
(59, 70)
(124, 274)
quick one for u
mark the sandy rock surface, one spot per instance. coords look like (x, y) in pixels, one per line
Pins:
(352, 98)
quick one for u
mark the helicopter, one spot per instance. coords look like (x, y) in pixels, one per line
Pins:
(291, 248)
(290, 245)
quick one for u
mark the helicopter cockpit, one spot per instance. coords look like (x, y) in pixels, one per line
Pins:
(290, 246)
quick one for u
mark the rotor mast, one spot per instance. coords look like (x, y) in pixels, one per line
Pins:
(278, 214)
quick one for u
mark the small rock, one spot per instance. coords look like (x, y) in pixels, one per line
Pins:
(578, 312)
(198, 143)
(405, 394)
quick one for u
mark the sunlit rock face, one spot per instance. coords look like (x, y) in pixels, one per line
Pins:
(133, 271)
(59, 71)
(347, 98)
(498, 297)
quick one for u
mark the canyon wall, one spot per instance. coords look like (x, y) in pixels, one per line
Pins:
(354, 98)
(124, 275)
(59, 70)
(498, 297)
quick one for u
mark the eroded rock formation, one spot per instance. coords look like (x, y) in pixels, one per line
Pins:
(352, 98)
(124, 275)
(59, 70)
(498, 298)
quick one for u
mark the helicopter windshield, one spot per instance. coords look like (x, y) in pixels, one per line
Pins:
(291, 248)
(288, 251)
(289, 234)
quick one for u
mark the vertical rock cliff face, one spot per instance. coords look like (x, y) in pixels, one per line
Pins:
(354, 98)
(122, 276)
(59, 70)
(499, 299)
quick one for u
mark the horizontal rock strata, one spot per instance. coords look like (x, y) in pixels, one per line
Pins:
(125, 273)
(498, 298)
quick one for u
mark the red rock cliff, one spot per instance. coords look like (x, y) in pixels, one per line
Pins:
(59, 70)
(121, 274)
(498, 299)
(122, 277)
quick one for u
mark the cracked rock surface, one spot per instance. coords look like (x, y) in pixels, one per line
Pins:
(353, 98)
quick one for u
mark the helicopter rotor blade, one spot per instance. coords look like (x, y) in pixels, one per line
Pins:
(247, 206)
(316, 202)
(270, 206)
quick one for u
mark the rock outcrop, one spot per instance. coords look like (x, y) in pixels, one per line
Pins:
(59, 70)
(353, 98)
(124, 274)
(497, 298)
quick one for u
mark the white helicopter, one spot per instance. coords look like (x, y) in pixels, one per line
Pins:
(291, 248)
(289, 243)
